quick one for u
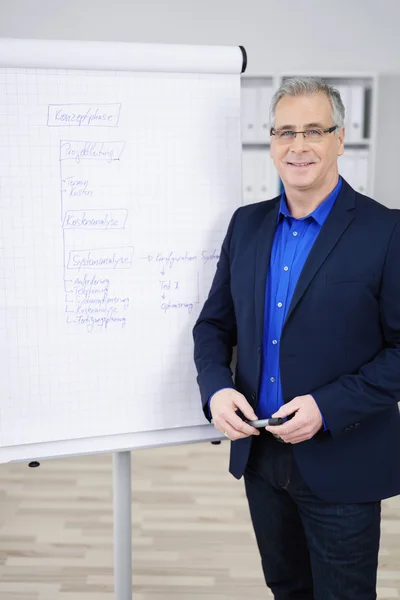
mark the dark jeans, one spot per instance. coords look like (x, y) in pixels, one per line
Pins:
(310, 549)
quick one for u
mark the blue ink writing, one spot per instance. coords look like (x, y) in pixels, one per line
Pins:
(95, 219)
(166, 306)
(167, 285)
(83, 115)
(107, 258)
(93, 305)
(79, 150)
(76, 187)
(173, 259)
(206, 256)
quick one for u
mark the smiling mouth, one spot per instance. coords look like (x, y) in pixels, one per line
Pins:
(300, 165)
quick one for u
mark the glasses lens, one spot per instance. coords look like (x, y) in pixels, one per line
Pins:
(314, 135)
(285, 137)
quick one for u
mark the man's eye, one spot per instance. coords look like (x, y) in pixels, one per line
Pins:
(287, 133)
(314, 132)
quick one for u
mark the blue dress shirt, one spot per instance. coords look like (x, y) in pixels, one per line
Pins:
(292, 243)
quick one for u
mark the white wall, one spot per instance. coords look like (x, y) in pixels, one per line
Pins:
(326, 35)
(279, 35)
(387, 148)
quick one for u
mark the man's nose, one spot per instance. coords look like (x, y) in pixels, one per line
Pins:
(299, 143)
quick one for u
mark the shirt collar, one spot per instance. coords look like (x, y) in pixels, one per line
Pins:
(320, 214)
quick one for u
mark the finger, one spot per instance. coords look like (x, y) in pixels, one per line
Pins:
(245, 408)
(295, 425)
(286, 409)
(231, 432)
(296, 440)
(281, 430)
(299, 436)
(231, 423)
(237, 423)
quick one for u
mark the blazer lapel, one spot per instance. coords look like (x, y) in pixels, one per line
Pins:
(334, 227)
(264, 246)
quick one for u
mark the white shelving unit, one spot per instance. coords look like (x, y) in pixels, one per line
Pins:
(359, 93)
(259, 177)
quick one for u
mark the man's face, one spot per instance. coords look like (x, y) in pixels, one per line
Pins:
(306, 164)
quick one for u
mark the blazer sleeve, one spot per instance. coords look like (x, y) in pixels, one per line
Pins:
(214, 333)
(350, 399)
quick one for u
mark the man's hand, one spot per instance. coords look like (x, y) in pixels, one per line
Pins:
(305, 423)
(223, 408)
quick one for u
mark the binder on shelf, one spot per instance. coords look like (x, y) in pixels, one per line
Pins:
(353, 97)
(249, 115)
(344, 92)
(353, 166)
(259, 176)
(265, 169)
(357, 102)
(362, 171)
(249, 176)
(347, 167)
(265, 93)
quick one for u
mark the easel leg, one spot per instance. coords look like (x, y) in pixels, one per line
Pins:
(122, 526)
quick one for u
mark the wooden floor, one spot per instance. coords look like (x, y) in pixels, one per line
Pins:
(192, 537)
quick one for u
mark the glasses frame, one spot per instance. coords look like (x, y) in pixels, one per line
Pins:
(329, 130)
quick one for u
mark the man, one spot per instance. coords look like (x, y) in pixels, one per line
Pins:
(308, 289)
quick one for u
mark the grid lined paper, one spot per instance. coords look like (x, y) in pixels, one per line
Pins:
(115, 193)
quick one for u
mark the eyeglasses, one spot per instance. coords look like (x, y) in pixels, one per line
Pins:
(314, 135)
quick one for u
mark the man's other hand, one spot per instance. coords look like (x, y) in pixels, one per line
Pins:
(306, 422)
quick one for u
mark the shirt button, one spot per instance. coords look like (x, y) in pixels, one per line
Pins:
(272, 379)
(274, 342)
(280, 304)
(294, 233)
(286, 268)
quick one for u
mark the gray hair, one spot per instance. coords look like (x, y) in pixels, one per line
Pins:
(308, 86)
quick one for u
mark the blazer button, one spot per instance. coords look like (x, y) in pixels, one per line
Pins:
(357, 425)
(253, 395)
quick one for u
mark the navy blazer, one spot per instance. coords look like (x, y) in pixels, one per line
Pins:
(340, 341)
